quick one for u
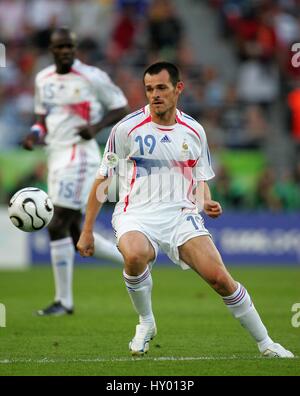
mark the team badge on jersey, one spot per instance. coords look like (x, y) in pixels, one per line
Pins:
(185, 151)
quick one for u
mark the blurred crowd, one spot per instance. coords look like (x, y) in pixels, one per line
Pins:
(123, 36)
(271, 192)
(266, 35)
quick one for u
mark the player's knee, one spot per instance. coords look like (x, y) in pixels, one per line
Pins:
(135, 257)
(135, 260)
(57, 229)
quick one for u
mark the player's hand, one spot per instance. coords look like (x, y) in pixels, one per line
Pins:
(87, 132)
(212, 208)
(29, 142)
(85, 245)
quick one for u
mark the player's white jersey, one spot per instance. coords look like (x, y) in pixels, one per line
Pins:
(75, 99)
(158, 165)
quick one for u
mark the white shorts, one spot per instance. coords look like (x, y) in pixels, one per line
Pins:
(164, 231)
(71, 173)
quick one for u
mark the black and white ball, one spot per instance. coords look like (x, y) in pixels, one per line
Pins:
(30, 209)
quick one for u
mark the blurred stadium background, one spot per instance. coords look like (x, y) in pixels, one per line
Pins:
(235, 57)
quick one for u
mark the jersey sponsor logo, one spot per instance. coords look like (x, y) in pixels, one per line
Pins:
(165, 139)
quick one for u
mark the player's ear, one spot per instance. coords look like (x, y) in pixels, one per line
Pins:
(180, 87)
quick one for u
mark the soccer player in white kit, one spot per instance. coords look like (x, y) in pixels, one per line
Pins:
(73, 102)
(164, 165)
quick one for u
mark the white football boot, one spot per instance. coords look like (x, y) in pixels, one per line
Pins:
(276, 350)
(144, 333)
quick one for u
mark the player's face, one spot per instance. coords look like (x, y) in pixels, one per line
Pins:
(161, 93)
(63, 49)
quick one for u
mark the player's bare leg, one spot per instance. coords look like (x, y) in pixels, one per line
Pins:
(202, 256)
(138, 253)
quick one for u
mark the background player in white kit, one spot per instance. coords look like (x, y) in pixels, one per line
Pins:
(161, 138)
(73, 102)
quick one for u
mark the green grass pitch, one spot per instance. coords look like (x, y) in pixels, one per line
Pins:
(196, 334)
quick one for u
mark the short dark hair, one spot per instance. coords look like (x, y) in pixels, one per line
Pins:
(157, 67)
(63, 30)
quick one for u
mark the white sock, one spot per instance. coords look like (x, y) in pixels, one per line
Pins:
(242, 308)
(139, 289)
(62, 257)
(107, 250)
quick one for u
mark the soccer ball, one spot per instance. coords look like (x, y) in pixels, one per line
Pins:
(30, 209)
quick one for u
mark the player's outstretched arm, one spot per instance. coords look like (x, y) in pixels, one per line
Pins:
(36, 135)
(96, 199)
(112, 117)
(211, 208)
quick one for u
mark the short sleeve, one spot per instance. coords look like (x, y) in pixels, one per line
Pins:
(39, 107)
(116, 148)
(108, 93)
(203, 169)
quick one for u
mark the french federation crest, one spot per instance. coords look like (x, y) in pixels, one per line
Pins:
(185, 151)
